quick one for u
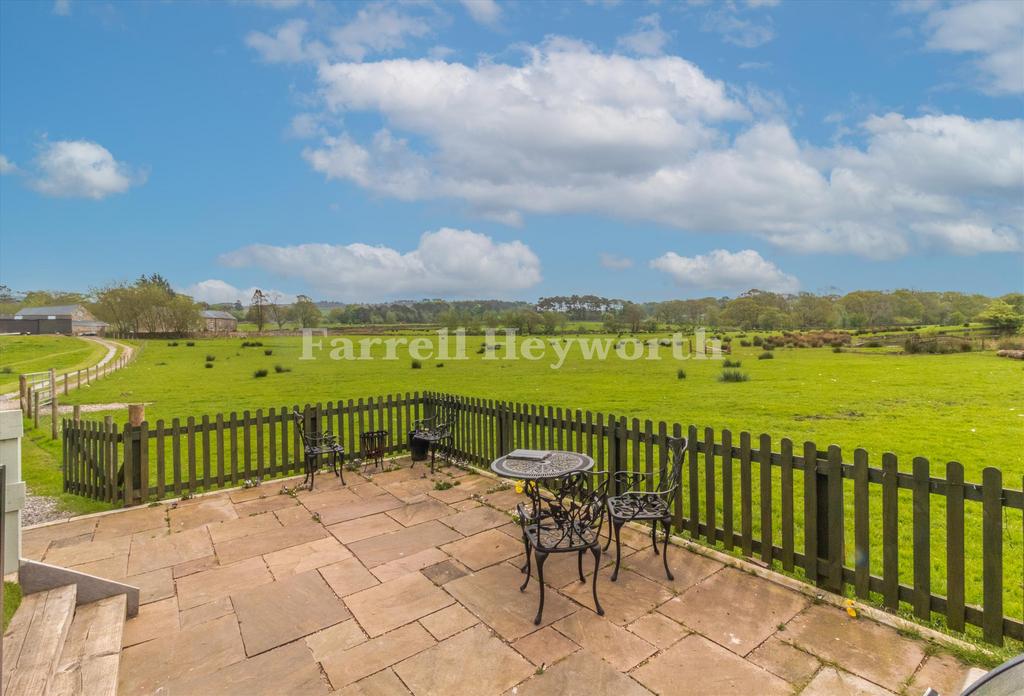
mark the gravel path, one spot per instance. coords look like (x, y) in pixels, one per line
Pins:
(41, 508)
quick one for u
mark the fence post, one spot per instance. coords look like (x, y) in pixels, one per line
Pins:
(35, 409)
(23, 393)
(134, 486)
(53, 404)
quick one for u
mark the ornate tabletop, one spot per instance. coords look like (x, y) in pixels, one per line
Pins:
(551, 464)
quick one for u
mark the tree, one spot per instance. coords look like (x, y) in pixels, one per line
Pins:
(277, 312)
(149, 305)
(632, 315)
(305, 312)
(256, 307)
(1001, 316)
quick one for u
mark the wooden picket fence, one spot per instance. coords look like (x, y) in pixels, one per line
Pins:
(793, 506)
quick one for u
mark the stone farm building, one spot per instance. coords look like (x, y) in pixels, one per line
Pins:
(217, 321)
(71, 320)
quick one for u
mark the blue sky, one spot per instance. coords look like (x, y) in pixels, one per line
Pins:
(497, 149)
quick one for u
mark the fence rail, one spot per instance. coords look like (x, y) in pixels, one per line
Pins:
(846, 525)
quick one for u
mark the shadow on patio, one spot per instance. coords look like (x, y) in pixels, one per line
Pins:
(393, 585)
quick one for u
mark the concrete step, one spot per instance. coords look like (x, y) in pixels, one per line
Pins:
(35, 639)
(91, 656)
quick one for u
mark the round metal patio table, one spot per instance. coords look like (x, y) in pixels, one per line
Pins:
(532, 471)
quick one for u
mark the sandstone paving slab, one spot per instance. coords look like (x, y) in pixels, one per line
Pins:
(347, 665)
(243, 526)
(348, 577)
(154, 620)
(942, 672)
(404, 542)
(698, 666)
(411, 490)
(113, 568)
(476, 520)
(493, 595)
(340, 636)
(194, 566)
(625, 600)
(445, 669)
(279, 612)
(505, 499)
(131, 521)
(395, 603)
(833, 682)
(449, 621)
(463, 505)
(342, 512)
(200, 588)
(562, 569)
(289, 669)
(309, 556)
(87, 552)
(658, 630)
(203, 511)
(156, 665)
(783, 660)
(151, 553)
(241, 548)
(580, 674)
(411, 515)
(323, 499)
(545, 647)
(484, 549)
(206, 612)
(688, 568)
(363, 528)
(367, 490)
(293, 514)
(615, 645)
(868, 649)
(399, 474)
(737, 610)
(153, 586)
(383, 683)
(60, 530)
(446, 571)
(267, 503)
(408, 564)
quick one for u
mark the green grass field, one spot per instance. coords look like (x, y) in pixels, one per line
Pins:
(20, 354)
(967, 407)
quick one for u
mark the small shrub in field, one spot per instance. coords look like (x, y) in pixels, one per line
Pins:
(837, 349)
(173, 344)
(767, 355)
(416, 364)
(281, 368)
(965, 346)
(252, 344)
(680, 373)
(268, 351)
(873, 344)
(758, 340)
(745, 343)
(439, 365)
(259, 373)
(481, 350)
(191, 344)
(209, 365)
(731, 363)
(6, 370)
(211, 358)
(733, 376)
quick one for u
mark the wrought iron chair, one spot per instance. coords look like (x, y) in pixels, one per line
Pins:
(438, 436)
(569, 520)
(654, 504)
(315, 447)
(372, 445)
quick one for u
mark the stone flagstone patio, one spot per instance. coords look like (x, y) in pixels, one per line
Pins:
(390, 586)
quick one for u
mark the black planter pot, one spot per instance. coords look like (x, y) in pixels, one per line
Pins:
(418, 449)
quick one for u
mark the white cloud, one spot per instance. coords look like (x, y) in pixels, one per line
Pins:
(214, 291)
(725, 270)
(648, 39)
(483, 11)
(745, 32)
(614, 262)
(286, 45)
(571, 130)
(7, 166)
(377, 29)
(446, 262)
(993, 30)
(81, 169)
(970, 238)
(305, 126)
(62, 7)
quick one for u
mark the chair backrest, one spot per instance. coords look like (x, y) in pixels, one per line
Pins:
(668, 480)
(373, 442)
(300, 423)
(576, 504)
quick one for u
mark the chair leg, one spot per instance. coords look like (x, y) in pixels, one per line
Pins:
(617, 524)
(596, 550)
(579, 564)
(541, 557)
(341, 467)
(526, 569)
(654, 536)
(612, 518)
(667, 524)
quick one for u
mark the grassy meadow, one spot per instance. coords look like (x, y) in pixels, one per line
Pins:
(967, 407)
(20, 354)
